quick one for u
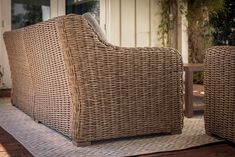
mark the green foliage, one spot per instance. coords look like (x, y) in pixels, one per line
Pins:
(200, 29)
(24, 14)
(200, 6)
(199, 26)
(198, 77)
(224, 25)
(1, 74)
(164, 25)
(198, 17)
(166, 14)
(33, 14)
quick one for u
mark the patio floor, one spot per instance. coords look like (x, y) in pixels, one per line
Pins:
(9, 147)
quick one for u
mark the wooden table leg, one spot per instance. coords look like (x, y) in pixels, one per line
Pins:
(188, 94)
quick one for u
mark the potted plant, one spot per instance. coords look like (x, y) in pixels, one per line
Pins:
(4, 92)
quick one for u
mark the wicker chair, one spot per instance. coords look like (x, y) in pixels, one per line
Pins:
(220, 92)
(90, 90)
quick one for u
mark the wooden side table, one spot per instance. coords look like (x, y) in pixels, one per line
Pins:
(5, 93)
(188, 96)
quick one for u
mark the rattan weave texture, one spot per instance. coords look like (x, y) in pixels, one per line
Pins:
(120, 91)
(52, 97)
(22, 85)
(91, 90)
(220, 91)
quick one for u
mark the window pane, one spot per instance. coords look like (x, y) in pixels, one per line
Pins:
(82, 6)
(28, 12)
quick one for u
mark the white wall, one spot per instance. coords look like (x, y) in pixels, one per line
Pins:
(128, 23)
(156, 17)
(114, 22)
(57, 8)
(104, 8)
(5, 13)
(143, 23)
(134, 23)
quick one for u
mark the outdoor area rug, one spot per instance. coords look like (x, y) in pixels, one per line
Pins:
(42, 141)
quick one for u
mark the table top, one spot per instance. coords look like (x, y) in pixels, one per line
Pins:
(193, 67)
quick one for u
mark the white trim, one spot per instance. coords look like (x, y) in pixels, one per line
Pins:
(5, 12)
(102, 15)
(107, 19)
(57, 8)
(54, 8)
(61, 7)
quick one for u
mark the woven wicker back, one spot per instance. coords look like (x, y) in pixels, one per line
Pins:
(118, 91)
(220, 91)
(22, 86)
(46, 59)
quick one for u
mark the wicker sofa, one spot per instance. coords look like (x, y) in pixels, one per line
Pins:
(88, 89)
(220, 92)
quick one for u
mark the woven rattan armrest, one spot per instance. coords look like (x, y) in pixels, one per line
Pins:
(127, 92)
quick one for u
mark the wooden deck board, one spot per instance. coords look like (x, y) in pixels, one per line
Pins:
(212, 150)
(10, 147)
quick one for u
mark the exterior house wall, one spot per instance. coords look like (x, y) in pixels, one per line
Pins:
(57, 8)
(134, 23)
(5, 12)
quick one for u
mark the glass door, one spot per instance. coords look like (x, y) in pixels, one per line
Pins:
(28, 12)
(82, 6)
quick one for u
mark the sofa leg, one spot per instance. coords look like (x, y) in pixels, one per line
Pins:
(37, 121)
(81, 144)
(176, 132)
